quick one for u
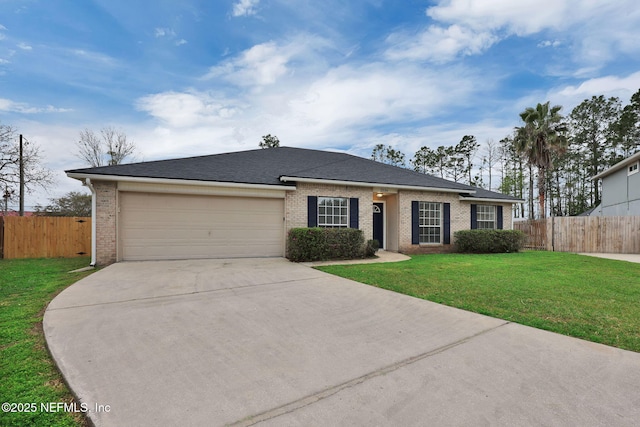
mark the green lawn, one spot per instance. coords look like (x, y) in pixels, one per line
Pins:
(26, 369)
(591, 298)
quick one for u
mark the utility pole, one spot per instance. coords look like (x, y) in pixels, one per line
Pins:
(21, 180)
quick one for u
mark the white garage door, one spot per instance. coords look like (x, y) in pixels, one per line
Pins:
(168, 226)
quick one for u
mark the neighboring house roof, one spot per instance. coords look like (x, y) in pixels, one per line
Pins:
(588, 212)
(620, 165)
(284, 166)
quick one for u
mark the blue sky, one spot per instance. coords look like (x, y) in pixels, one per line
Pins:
(187, 77)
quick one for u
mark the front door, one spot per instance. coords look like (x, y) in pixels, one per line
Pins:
(378, 223)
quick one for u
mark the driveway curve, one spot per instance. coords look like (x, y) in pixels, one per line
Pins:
(269, 342)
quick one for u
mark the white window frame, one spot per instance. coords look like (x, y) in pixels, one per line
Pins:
(338, 216)
(429, 222)
(486, 217)
(633, 168)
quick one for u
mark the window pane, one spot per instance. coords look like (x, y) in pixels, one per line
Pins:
(430, 222)
(486, 217)
(333, 212)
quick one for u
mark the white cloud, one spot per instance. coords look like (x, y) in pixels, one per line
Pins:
(622, 87)
(24, 46)
(169, 34)
(378, 93)
(520, 17)
(94, 57)
(570, 96)
(466, 27)
(164, 32)
(19, 107)
(439, 44)
(245, 7)
(596, 30)
(334, 108)
(181, 110)
(549, 43)
(264, 64)
(261, 65)
(165, 142)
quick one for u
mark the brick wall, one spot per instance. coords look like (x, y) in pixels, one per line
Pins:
(106, 224)
(295, 205)
(296, 214)
(460, 219)
(507, 221)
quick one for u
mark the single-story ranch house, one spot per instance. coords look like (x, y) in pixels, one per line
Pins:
(242, 204)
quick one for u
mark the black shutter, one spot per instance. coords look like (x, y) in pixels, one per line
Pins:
(415, 223)
(499, 217)
(446, 216)
(474, 217)
(353, 213)
(312, 211)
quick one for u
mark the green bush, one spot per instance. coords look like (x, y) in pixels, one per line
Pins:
(320, 244)
(371, 248)
(489, 241)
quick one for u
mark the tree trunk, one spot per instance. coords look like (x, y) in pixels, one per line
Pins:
(521, 186)
(559, 210)
(531, 216)
(541, 191)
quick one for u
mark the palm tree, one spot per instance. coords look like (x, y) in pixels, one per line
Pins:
(543, 132)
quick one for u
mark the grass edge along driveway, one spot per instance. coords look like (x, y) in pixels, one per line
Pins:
(585, 297)
(29, 375)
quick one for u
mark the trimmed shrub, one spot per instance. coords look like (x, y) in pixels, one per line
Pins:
(371, 248)
(489, 241)
(320, 244)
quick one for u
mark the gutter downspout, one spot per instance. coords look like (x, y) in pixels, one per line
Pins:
(87, 182)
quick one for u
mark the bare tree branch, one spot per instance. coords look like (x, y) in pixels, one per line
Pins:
(111, 147)
(35, 174)
(90, 148)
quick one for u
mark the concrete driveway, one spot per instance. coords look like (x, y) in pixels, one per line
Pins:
(268, 342)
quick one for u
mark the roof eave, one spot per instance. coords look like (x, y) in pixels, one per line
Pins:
(617, 166)
(169, 181)
(488, 199)
(372, 184)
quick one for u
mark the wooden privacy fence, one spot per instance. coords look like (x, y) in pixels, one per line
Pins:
(45, 237)
(536, 231)
(607, 234)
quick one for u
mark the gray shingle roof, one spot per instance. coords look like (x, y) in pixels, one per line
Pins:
(268, 165)
(481, 193)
